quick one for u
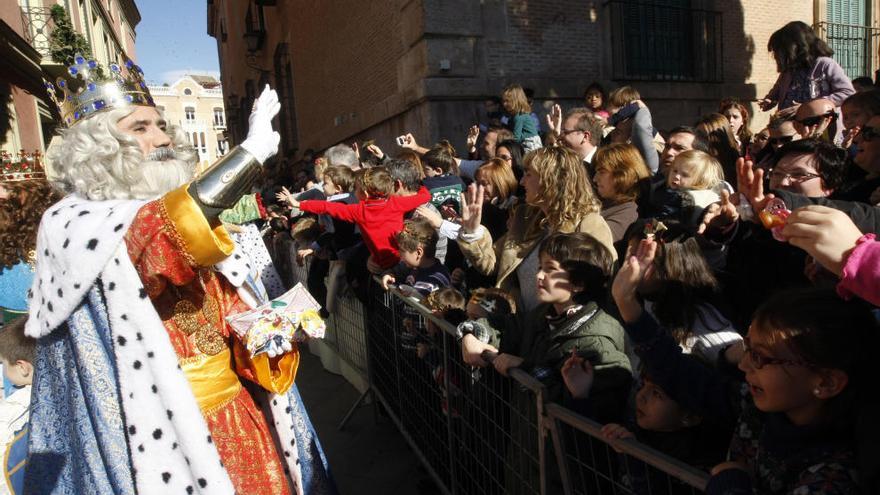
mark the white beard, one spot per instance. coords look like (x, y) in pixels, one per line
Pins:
(156, 177)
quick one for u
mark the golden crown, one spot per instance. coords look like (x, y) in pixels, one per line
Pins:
(25, 166)
(92, 89)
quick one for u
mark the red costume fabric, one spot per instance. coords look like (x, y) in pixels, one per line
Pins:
(192, 301)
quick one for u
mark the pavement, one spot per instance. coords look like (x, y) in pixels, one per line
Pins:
(369, 456)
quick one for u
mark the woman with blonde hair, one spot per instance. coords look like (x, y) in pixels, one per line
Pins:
(620, 172)
(558, 198)
(715, 129)
(499, 186)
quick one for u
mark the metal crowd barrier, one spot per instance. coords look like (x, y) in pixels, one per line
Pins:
(476, 431)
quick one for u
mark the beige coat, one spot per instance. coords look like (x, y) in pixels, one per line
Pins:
(523, 236)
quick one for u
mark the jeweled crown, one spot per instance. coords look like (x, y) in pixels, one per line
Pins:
(92, 89)
(25, 166)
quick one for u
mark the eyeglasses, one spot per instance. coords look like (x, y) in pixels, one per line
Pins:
(868, 133)
(779, 141)
(506, 158)
(566, 132)
(816, 120)
(794, 177)
(759, 360)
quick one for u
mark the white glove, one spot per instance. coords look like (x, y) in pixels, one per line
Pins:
(262, 141)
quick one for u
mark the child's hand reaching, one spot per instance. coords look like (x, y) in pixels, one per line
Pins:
(636, 267)
(577, 373)
(719, 215)
(433, 218)
(750, 184)
(614, 431)
(387, 281)
(287, 197)
(302, 254)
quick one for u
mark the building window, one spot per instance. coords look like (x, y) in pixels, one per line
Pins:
(203, 147)
(222, 145)
(195, 140)
(665, 40)
(219, 118)
(848, 32)
(187, 92)
(190, 114)
(284, 83)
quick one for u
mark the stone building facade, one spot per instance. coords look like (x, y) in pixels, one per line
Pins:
(27, 115)
(350, 70)
(195, 104)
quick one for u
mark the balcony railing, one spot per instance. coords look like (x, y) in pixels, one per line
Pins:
(854, 46)
(37, 28)
(652, 42)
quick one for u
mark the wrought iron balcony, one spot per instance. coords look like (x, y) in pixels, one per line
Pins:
(854, 46)
(37, 29)
(653, 42)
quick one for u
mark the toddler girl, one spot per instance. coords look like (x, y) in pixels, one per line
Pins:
(524, 127)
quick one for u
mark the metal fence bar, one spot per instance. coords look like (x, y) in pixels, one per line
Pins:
(476, 431)
(689, 475)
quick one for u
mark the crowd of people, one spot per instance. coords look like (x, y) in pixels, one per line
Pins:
(708, 289)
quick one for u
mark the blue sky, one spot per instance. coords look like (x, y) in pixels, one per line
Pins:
(172, 40)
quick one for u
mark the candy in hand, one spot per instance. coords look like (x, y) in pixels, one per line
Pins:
(773, 217)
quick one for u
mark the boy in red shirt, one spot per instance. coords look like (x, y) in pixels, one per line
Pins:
(379, 215)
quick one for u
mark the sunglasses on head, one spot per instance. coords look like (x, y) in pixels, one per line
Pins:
(817, 119)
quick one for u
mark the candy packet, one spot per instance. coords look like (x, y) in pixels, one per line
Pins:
(272, 327)
(773, 217)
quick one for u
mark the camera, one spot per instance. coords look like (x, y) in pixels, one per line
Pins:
(401, 140)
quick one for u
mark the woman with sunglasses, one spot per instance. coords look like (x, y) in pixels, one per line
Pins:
(807, 361)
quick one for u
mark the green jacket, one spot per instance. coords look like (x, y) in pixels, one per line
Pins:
(591, 333)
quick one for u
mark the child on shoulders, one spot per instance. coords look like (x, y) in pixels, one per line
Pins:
(524, 127)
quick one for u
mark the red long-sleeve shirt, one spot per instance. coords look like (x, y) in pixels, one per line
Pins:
(379, 220)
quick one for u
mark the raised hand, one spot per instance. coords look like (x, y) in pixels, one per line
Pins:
(750, 184)
(577, 373)
(826, 234)
(637, 266)
(376, 151)
(262, 141)
(472, 135)
(472, 208)
(409, 142)
(719, 215)
(554, 119)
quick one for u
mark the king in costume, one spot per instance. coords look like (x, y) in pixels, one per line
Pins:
(140, 386)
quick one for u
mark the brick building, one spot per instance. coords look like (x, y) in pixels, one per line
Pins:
(195, 103)
(27, 116)
(349, 70)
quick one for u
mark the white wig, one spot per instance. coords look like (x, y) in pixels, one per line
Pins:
(98, 161)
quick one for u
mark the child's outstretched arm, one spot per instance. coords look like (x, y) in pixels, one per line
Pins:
(409, 203)
(339, 211)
